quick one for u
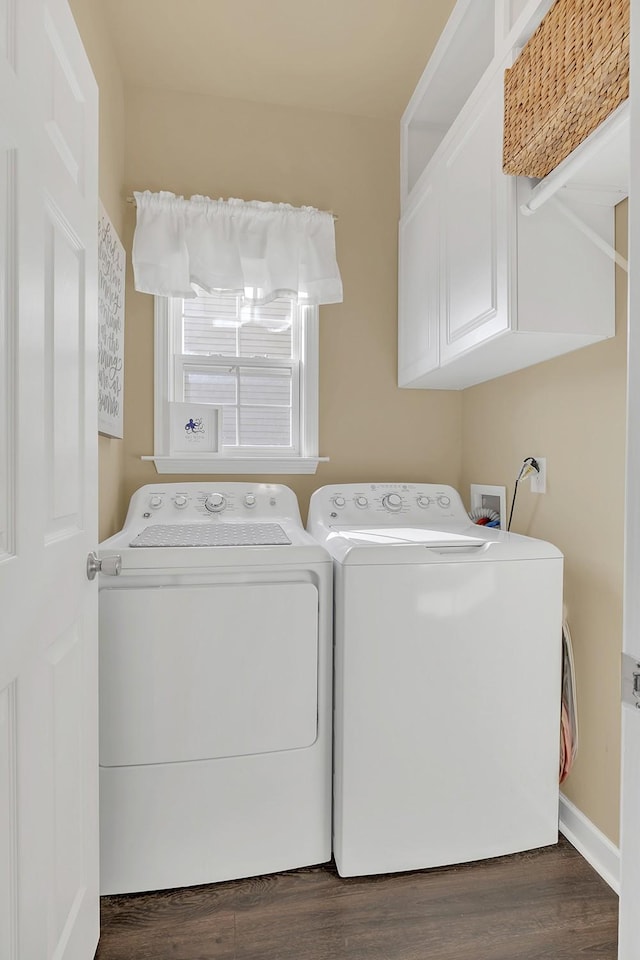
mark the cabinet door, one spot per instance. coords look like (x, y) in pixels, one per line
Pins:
(418, 288)
(474, 208)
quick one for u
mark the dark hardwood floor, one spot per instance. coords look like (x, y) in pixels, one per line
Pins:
(544, 905)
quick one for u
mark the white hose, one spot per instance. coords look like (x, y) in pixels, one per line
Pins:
(480, 513)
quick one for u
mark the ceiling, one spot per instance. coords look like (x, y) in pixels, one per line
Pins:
(359, 57)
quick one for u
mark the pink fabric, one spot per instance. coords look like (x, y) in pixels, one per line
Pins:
(566, 750)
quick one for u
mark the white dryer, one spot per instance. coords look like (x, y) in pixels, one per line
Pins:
(215, 688)
(447, 680)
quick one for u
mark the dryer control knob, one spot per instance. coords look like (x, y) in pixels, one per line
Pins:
(339, 501)
(423, 501)
(392, 501)
(155, 502)
(444, 501)
(362, 502)
(180, 501)
(215, 503)
(250, 500)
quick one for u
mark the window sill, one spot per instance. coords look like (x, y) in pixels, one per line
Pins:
(213, 465)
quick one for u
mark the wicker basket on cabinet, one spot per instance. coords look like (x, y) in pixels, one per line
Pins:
(570, 76)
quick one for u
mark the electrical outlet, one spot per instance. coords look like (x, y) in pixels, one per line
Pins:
(539, 480)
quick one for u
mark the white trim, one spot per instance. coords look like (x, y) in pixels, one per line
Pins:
(161, 375)
(501, 23)
(595, 847)
(213, 465)
(309, 393)
(525, 25)
(630, 773)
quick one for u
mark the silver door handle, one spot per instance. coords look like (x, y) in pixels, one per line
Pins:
(631, 680)
(110, 566)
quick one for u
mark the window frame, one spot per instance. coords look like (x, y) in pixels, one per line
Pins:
(263, 460)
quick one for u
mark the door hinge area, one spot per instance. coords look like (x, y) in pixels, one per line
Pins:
(631, 680)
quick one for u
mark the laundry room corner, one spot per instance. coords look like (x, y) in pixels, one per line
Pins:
(571, 410)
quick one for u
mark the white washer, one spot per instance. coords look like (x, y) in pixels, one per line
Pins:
(447, 680)
(215, 689)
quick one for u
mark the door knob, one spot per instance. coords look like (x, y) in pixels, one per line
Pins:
(110, 566)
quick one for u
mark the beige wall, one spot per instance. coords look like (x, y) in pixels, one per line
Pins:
(95, 37)
(197, 144)
(572, 411)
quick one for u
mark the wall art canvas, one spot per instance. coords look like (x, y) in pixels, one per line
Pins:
(111, 277)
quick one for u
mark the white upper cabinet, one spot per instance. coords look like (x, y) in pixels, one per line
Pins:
(419, 286)
(486, 286)
(474, 224)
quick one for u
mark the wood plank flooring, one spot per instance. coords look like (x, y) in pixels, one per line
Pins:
(544, 905)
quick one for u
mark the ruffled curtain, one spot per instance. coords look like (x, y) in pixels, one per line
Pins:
(258, 250)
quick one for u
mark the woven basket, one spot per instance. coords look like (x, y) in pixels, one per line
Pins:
(570, 76)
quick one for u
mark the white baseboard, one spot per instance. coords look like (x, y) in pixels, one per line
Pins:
(588, 840)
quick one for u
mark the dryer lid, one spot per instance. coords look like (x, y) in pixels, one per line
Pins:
(222, 534)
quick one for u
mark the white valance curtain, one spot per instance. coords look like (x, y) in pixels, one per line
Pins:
(259, 250)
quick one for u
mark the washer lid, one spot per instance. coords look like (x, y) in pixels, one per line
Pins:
(406, 535)
(362, 545)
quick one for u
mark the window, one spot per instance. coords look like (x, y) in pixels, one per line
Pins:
(258, 362)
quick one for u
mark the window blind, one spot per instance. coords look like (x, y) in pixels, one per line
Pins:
(245, 359)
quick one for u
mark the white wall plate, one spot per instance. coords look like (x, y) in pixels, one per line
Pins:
(487, 496)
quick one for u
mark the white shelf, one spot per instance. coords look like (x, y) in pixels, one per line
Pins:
(460, 58)
(597, 171)
(214, 465)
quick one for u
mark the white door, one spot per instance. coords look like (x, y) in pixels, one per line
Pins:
(475, 228)
(629, 939)
(48, 644)
(419, 286)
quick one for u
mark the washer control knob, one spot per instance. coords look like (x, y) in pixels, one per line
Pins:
(250, 500)
(215, 503)
(180, 501)
(423, 501)
(392, 501)
(339, 501)
(362, 502)
(444, 501)
(155, 501)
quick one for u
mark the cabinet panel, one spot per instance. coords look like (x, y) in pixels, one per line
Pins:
(418, 288)
(475, 233)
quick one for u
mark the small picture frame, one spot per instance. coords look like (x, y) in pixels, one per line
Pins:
(195, 428)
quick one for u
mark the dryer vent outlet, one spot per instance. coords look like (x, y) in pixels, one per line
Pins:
(490, 497)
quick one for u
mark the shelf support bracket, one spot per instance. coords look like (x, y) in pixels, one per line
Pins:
(592, 234)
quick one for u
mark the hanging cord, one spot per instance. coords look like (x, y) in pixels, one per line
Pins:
(529, 466)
